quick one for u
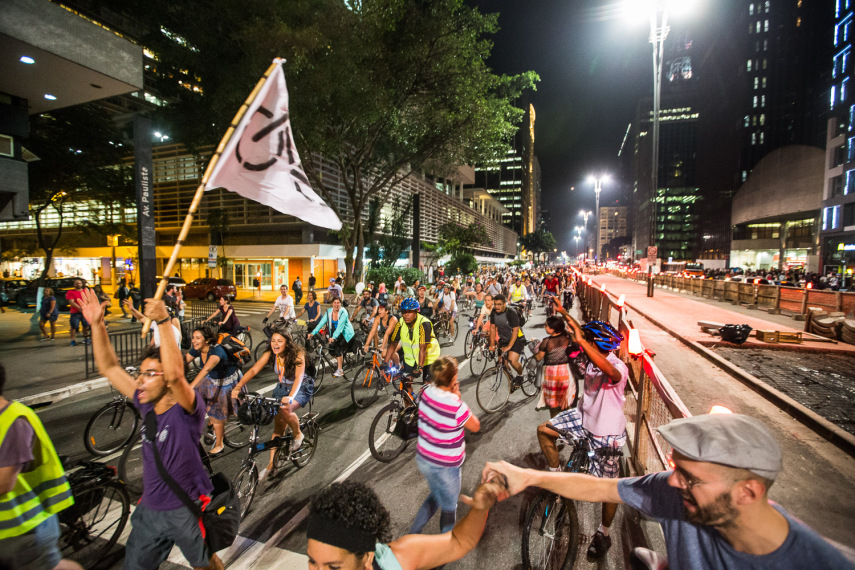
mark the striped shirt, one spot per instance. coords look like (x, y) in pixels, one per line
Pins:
(441, 418)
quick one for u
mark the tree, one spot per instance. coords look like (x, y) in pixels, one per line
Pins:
(540, 241)
(458, 241)
(381, 88)
(80, 154)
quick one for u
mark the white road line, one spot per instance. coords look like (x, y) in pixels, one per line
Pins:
(66, 392)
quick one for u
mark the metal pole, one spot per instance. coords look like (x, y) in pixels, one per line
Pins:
(598, 185)
(658, 33)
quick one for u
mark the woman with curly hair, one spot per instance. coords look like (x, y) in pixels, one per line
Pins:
(294, 389)
(215, 381)
(348, 529)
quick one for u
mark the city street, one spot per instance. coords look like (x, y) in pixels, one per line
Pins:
(274, 523)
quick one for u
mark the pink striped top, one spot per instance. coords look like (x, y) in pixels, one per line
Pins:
(441, 418)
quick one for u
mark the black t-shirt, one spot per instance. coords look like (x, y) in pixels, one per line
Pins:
(505, 323)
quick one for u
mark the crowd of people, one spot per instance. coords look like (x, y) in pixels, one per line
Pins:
(713, 503)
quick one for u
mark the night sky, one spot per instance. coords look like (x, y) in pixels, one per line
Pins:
(594, 66)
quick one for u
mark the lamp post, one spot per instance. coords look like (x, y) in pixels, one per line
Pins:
(585, 215)
(598, 187)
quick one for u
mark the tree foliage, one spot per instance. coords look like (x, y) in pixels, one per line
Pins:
(80, 160)
(379, 87)
(540, 241)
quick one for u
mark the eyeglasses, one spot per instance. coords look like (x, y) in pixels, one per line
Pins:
(147, 373)
(685, 478)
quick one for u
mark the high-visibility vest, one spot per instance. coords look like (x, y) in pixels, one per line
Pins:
(38, 494)
(411, 345)
(517, 293)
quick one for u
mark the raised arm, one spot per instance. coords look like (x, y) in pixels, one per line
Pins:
(597, 358)
(170, 356)
(105, 357)
(571, 485)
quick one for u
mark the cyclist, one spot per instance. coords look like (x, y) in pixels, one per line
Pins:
(414, 335)
(381, 329)
(368, 305)
(447, 303)
(506, 326)
(340, 332)
(599, 417)
(424, 301)
(551, 285)
(294, 389)
(349, 528)
(284, 303)
(312, 310)
(482, 322)
(479, 296)
(214, 382)
(559, 389)
(225, 317)
(713, 505)
(334, 291)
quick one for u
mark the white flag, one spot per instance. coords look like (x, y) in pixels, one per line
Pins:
(260, 161)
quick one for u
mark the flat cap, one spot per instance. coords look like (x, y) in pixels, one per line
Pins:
(733, 440)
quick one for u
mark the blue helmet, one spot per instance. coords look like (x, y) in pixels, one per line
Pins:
(603, 335)
(409, 304)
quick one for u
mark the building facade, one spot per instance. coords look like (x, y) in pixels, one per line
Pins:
(613, 225)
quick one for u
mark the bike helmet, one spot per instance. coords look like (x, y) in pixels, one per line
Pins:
(256, 412)
(409, 304)
(603, 335)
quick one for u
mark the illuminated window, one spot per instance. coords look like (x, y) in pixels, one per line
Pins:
(763, 118)
(756, 83)
(764, 63)
(746, 120)
(766, 26)
(753, 138)
(758, 26)
(744, 175)
(751, 9)
(755, 101)
(798, 21)
(748, 65)
(764, 82)
(754, 120)
(767, 6)
(762, 100)
(762, 137)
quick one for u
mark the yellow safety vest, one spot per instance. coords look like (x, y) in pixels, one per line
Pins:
(411, 345)
(38, 494)
(517, 294)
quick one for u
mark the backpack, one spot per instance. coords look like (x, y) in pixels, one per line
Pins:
(520, 314)
(238, 353)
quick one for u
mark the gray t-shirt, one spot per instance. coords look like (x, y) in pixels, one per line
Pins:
(697, 547)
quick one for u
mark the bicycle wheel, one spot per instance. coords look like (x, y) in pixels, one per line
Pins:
(310, 443)
(478, 360)
(493, 389)
(468, 344)
(111, 428)
(131, 466)
(550, 534)
(383, 443)
(320, 365)
(260, 349)
(365, 386)
(456, 330)
(101, 514)
(244, 485)
(236, 435)
(529, 378)
(246, 338)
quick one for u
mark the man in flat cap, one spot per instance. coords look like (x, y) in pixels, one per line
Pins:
(713, 505)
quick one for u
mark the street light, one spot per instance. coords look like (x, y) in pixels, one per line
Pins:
(585, 215)
(598, 187)
(657, 11)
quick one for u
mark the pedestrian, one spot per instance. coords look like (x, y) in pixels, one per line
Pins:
(73, 297)
(48, 312)
(174, 418)
(312, 309)
(33, 489)
(713, 505)
(559, 387)
(298, 290)
(136, 299)
(312, 282)
(256, 285)
(122, 293)
(179, 302)
(441, 449)
(348, 527)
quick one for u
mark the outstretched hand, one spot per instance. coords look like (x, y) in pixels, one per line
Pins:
(514, 477)
(91, 306)
(487, 494)
(155, 310)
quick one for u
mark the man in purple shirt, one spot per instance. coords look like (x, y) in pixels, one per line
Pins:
(160, 520)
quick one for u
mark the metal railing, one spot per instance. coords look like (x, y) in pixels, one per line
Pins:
(127, 344)
(651, 401)
(200, 310)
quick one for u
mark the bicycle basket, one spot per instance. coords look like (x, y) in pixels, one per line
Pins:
(407, 426)
(736, 334)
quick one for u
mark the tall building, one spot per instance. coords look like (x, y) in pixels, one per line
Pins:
(837, 236)
(613, 226)
(514, 180)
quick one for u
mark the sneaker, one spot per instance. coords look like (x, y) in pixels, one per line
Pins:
(297, 443)
(73, 343)
(338, 373)
(599, 545)
(44, 338)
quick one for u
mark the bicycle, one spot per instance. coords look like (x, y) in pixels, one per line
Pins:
(550, 534)
(244, 335)
(443, 325)
(496, 384)
(480, 353)
(90, 527)
(111, 427)
(246, 481)
(385, 441)
(293, 329)
(370, 379)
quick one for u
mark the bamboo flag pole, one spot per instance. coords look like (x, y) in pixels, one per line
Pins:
(200, 191)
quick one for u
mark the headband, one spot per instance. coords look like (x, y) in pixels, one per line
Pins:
(336, 534)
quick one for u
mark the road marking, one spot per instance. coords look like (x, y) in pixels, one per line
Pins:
(54, 396)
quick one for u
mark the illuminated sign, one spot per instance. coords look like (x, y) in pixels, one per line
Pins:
(846, 247)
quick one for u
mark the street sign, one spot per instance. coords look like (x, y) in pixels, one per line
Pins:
(651, 254)
(212, 256)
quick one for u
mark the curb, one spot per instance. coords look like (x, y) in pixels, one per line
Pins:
(53, 396)
(833, 434)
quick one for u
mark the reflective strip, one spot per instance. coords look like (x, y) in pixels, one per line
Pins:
(22, 519)
(45, 507)
(24, 498)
